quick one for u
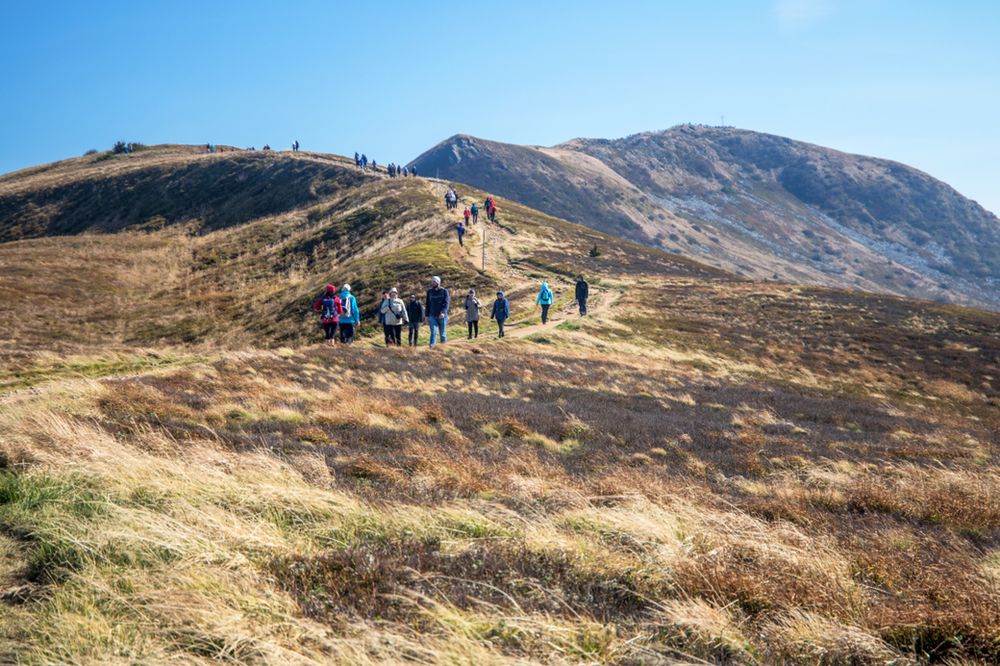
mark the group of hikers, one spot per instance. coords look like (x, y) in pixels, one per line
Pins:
(339, 314)
(362, 162)
(470, 214)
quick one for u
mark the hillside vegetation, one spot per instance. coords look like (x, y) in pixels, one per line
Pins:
(759, 205)
(705, 469)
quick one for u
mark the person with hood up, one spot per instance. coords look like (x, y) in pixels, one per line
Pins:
(329, 308)
(393, 311)
(349, 318)
(545, 299)
(415, 315)
(501, 311)
(438, 304)
(582, 294)
(473, 310)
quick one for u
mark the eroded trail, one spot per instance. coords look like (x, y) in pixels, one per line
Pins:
(501, 244)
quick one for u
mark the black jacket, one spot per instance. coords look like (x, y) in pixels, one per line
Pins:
(582, 290)
(438, 302)
(415, 312)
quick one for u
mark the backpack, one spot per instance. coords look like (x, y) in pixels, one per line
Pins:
(347, 307)
(329, 309)
(398, 313)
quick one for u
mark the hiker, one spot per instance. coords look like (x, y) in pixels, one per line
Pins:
(405, 172)
(474, 211)
(364, 161)
(329, 307)
(466, 215)
(415, 316)
(460, 228)
(545, 299)
(438, 304)
(381, 316)
(349, 316)
(582, 294)
(501, 311)
(473, 310)
(447, 199)
(413, 171)
(394, 316)
(492, 212)
(357, 159)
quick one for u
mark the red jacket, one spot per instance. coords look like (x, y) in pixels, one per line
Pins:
(338, 309)
(467, 214)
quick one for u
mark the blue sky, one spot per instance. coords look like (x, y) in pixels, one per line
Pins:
(915, 81)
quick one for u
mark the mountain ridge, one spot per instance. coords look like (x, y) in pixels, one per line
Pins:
(775, 208)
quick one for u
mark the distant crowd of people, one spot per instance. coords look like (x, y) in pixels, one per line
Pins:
(339, 314)
(362, 162)
(470, 214)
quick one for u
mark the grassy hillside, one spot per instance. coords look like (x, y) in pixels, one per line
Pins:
(706, 469)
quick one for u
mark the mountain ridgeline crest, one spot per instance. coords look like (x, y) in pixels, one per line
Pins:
(763, 206)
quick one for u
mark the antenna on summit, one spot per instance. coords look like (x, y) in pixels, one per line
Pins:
(722, 119)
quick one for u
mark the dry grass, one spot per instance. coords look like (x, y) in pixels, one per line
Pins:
(746, 474)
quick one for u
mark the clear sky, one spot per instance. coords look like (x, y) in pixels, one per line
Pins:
(912, 80)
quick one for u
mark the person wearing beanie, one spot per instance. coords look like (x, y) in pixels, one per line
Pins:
(473, 308)
(393, 312)
(330, 308)
(349, 317)
(415, 315)
(438, 304)
(501, 311)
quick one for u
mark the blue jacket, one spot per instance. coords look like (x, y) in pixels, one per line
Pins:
(545, 295)
(501, 309)
(350, 304)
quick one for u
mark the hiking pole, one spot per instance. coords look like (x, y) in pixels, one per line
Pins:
(484, 248)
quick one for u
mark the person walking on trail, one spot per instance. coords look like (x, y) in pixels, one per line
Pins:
(413, 171)
(466, 215)
(474, 211)
(357, 159)
(501, 311)
(473, 310)
(582, 294)
(394, 316)
(545, 299)
(381, 316)
(492, 212)
(329, 307)
(349, 317)
(415, 316)
(438, 304)
(460, 228)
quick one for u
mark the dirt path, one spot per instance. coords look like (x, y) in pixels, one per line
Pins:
(512, 277)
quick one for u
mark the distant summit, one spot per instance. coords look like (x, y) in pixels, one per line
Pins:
(764, 206)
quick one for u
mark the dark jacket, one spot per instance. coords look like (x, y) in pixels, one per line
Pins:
(415, 312)
(501, 309)
(438, 302)
(582, 290)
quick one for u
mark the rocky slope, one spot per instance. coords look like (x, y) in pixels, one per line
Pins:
(760, 205)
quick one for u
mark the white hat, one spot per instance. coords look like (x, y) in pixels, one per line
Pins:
(436, 280)
(346, 287)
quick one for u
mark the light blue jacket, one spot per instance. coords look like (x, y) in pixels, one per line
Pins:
(347, 298)
(545, 295)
